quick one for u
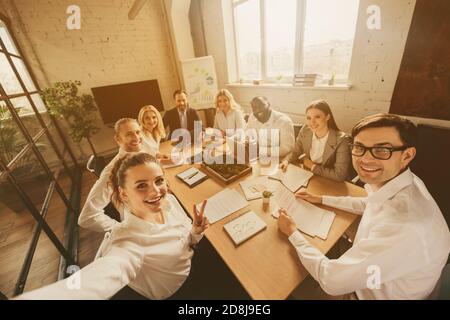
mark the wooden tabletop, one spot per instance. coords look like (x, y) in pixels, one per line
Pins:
(266, 265)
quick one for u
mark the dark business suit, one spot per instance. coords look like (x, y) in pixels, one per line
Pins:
(171, 120)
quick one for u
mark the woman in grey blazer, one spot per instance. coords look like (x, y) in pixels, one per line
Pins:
(321, 146)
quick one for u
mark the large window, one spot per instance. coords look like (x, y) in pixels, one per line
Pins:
(277, 39)
(35, 180)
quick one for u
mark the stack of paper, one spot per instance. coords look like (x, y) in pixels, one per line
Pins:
(244, 227)
(223, 204)
(294, 178)
(309, 218)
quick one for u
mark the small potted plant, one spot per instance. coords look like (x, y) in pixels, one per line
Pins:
(266, 198)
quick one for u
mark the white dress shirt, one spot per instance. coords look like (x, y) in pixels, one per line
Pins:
(93, 215)
(234, 119)
(150, 144)
(277, 121)
(317, 148)
(153, 259)
(402, 239)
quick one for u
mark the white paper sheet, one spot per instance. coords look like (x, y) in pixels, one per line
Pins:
(294, 177)
(254, 187)
(223, 204)
(309, 218)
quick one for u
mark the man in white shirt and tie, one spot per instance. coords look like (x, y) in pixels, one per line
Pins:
(129, 138)
(264, 119)
(402, 243)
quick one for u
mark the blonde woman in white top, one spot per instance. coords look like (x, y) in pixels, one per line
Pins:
(150, 251)
(153, 130)
(228, 115)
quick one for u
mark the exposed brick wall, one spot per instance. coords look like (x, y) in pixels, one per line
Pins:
(109, 48)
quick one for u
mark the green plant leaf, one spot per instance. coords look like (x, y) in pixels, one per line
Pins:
(79, 110)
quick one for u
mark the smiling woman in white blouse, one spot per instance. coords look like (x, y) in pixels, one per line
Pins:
(323, 147)
(228, 115)
(153, 130)
(150, 251)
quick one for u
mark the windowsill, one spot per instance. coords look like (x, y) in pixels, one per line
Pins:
(335, 87)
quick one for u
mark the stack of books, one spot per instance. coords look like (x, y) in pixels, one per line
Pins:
(307, 79)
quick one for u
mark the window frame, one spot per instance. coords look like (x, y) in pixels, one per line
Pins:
(67, 248)
(298, 46)
(20, 56)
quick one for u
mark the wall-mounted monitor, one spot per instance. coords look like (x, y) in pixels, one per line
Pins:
(125, 100)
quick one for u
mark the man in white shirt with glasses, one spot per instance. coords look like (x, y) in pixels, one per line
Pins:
(402, 243)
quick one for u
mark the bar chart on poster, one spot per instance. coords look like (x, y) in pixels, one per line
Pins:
(200, 81)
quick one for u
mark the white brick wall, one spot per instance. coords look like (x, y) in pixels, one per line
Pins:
(109, 49)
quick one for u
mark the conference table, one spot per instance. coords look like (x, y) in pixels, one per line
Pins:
(266, 265)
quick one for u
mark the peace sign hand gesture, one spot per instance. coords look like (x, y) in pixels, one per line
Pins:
(201, 223)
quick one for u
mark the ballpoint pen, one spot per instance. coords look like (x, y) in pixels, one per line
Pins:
(192, 175)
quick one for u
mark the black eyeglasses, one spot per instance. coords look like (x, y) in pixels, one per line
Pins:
(380, 153)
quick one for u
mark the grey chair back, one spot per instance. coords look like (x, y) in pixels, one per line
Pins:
(442, 289)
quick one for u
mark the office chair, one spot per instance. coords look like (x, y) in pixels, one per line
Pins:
(95, 165)
(297, 128)
(431, 164)
(442, 289)
(444, 293)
